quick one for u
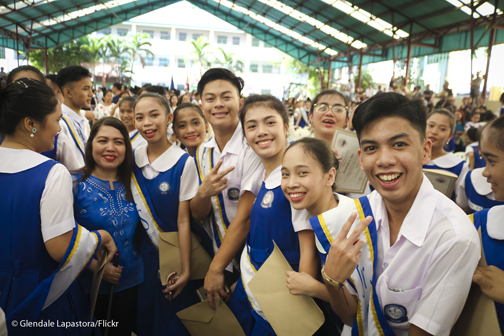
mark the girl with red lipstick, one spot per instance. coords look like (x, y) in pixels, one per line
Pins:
(265, 124)
(103, 201)
(190, 126)
(491, 277)
(165, 180)
(440, 130)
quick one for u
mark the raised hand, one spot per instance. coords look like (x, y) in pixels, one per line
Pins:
(215, 181)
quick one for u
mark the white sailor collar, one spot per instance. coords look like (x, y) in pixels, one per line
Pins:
(274, 179)
(18, 160)
(449, 160)
(163, 163)
(495, 228)
(416, 223)
(234, 145)
(480, 183)
(68, 112)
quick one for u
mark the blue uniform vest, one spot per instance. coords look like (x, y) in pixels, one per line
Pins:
(476, 198)
(52, 153)
(494, 255)
(479, 161)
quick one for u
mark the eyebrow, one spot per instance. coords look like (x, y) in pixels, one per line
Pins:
(154, 110)
(489, 154)
(395, 137)
(106, 137)
(213, 94)
(253, 120)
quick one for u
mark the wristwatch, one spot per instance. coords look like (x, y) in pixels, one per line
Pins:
(331, 281)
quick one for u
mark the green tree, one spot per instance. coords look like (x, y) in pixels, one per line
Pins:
(67, 54)
(138, 50)
(94, 49)
(230, 61)
(296, 67)
(201, 54)
(366, 79)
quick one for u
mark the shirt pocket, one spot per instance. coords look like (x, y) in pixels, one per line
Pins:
(233, 189)
(398, 304)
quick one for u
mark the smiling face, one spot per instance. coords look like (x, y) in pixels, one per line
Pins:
(392, 154)
(475, 118)
(303, 181)
(221, 104)
(127, 115)
(325, 124)
(109, 148)
(494, 170)
(47, 132)
(151, 119)
(438, 130)
(190, 128)
(265, 132)
(79, 93)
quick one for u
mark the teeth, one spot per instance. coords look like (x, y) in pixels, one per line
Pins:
(264, 142)
(296, 195)
(389, 177)
(148, 132)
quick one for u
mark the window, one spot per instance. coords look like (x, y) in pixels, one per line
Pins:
(181, 63)
(276, 70)
(106, 31)
(181, 87)
(165, 35)
(196, 36)
(267, 68)
(221, 39)
(236, 40)
(150, 33)
(149, 61)
(255, 42)
(254, 67)
(164, 61)
(2, 52)
(182, 36)
(264, 91)
(122, 31)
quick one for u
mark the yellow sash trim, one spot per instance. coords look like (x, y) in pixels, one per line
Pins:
(90, 256)
(136, 136)
(74, 248)
(202, 177)
(471, 217)
(145, 202)
(324, 227)
(73, 132)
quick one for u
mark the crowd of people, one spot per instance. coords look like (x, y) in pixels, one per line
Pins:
(105, 173)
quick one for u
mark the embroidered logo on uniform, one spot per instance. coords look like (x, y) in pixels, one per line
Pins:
(440, 180)
(234, 194)
(396, 313)
(164, 188)
(267, 200)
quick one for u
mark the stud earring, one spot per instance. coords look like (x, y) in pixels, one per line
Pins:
(33, 134)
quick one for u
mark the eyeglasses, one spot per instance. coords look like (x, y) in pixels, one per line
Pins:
(324, 108)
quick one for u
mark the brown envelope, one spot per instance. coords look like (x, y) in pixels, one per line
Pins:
(288, 314)
(169, 257)
(201, 320)
(479, 316)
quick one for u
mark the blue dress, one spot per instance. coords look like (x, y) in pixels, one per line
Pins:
(97, 207)
(22, 269)
(270, 220)
(155, 314)
(476, 200)
(492, 238)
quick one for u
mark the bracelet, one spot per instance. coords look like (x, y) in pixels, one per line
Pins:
(331, 281)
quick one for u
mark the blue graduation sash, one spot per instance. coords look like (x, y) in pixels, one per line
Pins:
(134, 136)
(74, 135)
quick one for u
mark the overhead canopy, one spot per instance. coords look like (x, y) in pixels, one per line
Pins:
(306, 30)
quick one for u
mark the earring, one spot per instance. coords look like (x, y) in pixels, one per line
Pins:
(288, 135)
(33, 134)
(247, 144)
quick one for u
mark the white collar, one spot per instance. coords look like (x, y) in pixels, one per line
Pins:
(18, 160)
(233, 146)
(480, 183)
(163, 163)
(68, 112)
(274, 179)
(495, 228)
(416, 223)
(449, 160)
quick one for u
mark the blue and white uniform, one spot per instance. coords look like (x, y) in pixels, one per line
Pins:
(304, 117)
(247, 176)
(74, 126)
(33, 286)
(449, 162)
(271, 219)
(492, 238)
(136, 139)
(479, 161)
(63, 153)
(475, 193)
(157, 188)
(423, 278)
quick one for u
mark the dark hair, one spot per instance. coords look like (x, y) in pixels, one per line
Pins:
(472, 134)
(105, 91)
(390, 104)
(161, 100)
(474, 112)
(445, 112)
(118, 86)
(329, 93)
(497, 126)
(130, 100)
(179, 101)
(70, 74)
(124, 170)
(462, 119)
(501, 99)
(488, 116)
(155, 89)
(184, 106)
(220, 73)
(52, 77)
(21, 68)
(18, 99)
(267, 101)
(320, 151)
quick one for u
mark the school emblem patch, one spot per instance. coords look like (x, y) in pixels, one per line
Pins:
(234, 194)
(267, 200)
(396, 313)
(164, 188)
